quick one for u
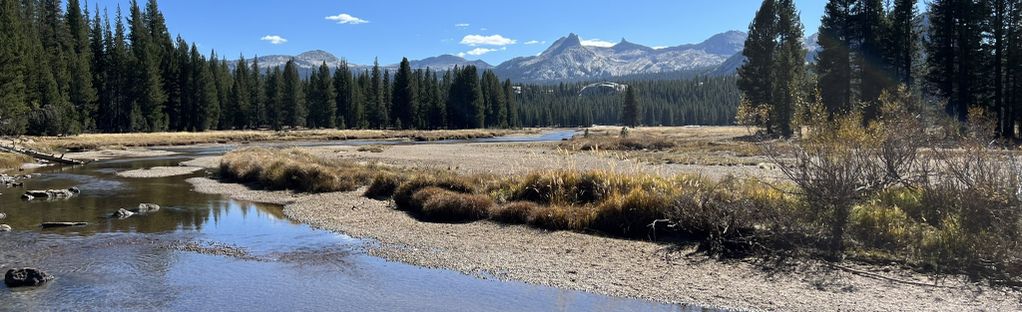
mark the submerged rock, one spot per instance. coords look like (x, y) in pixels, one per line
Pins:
(51, 194)
(3, 216)
(122, 214)
(5, 228)
(62, 224)
(147, 208)
(26, 277)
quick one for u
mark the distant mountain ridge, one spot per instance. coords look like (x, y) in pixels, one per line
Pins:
(568, 59)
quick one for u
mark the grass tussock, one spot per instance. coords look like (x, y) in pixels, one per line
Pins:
(384, 186)
(404, 195)
(441, 205)
(293, 169)
(12, 161)
(514, 212)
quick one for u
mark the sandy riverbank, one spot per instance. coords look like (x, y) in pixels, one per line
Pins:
(158, 172)
(617, 267)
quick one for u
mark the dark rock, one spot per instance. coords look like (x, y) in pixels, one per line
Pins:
(26, 277)
(122, 214)
(62, 224)
(74, 190)
(26, 196)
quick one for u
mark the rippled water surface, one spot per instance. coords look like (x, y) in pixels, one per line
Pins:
(171, 260)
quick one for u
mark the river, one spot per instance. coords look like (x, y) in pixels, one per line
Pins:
(175, 259)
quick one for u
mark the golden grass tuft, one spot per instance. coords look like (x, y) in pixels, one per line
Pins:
(441, 205)
(514, 212)
(384, 186)
(12, 161)
(293, 169)
(404, 194)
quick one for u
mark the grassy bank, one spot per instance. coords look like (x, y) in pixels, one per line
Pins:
(115, 140)
(718, 146)
(924, 228)
(10, 161)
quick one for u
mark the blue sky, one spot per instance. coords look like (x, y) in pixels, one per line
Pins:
(493, 31)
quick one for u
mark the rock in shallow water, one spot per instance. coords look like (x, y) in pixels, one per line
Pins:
(5, 228)
(122, 214)
(62, 224)
(26, 277)
(147, 208)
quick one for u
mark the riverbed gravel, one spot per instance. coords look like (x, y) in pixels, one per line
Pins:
(158, 172)
(616, 267)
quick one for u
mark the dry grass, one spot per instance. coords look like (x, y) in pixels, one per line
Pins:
(384, 186)
(712, 146)
(293, 169)
(115, 140)
(12, 161)
(440, 205)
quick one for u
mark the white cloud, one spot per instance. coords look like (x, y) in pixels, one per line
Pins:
(480, 51)
(274, 39)
(531, 42)
(462, 25)
(597, 43)
(345, 18)
(495, 40)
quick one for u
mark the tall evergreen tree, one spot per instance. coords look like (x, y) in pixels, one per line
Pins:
(240, 97)
(494, 101)
(83, 94)
(148, 96)
(322, 99)
(512, 107)
(755, 76)
(344, 87)
(293, 97)
(631, 115)
(955, 53)
(377, 108)
(789, 71)
(13, 104)
(406, 98)
(833, 63)
(257, 106)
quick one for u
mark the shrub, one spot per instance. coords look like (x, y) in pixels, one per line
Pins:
(383, 186)
(440, 205)
(514, 213)
(631, 215)
(404, 193)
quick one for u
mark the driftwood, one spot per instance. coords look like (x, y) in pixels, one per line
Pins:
(47, 225)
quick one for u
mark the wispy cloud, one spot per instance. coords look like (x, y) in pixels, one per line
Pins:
(274, 39)
(462, 25)
(494, 40)
(531, 42)
(480, 51)
(345, 18)
(597, 43)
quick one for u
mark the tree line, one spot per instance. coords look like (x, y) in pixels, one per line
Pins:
(72, 71)
(697, 101)
(967, 54)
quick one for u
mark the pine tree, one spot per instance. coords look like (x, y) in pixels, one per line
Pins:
(83, 94)
(293, 97)
(512, 107)
(494, 100)
(903, 41)
(344, 86)
(274, 99)
(755, 76)
(833, 66)
(630, 111)
(954, 53)
(376, 108)
(148, 96)
(257, 106)
(406, 97)
(206, 102)
(322, 100)
(13, 105)
(789, 71)
(872, 65)
(240, 97)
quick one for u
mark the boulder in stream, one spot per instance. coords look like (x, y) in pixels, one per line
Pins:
(51, 194)
(26, 277)
(122, 214)
(26, 196)
(3, 216)
(5, 228)
(147, 208)
(47, 225)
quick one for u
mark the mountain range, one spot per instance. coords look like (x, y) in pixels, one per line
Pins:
(568, 59)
